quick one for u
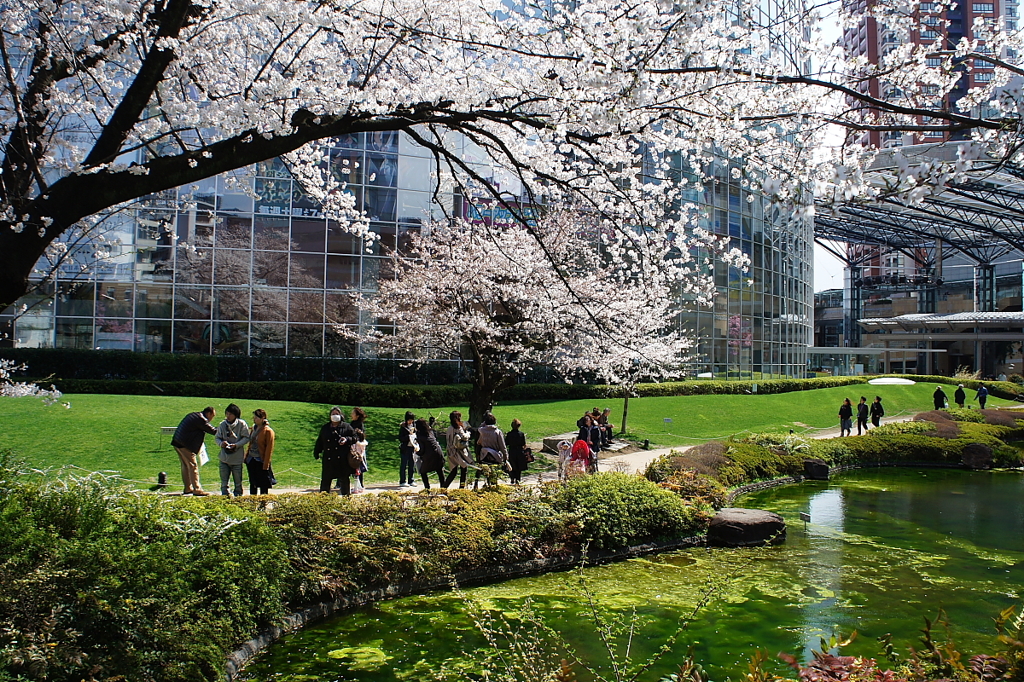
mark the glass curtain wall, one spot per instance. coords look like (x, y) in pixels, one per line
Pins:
(246, 263)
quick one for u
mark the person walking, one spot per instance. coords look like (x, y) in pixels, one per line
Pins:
(232, 435)
(877, 411)
(457, 440)
(358, 423)
(431, 457)
(845, 417)
(982, 396)
(406, 448)
(862, 415)
(515, 441)
(939, 398)
(257, 457)
(960, 396)
(334, 443)
(187, 442)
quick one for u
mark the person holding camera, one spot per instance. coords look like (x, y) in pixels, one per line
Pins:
(232, 435)
(334, 444)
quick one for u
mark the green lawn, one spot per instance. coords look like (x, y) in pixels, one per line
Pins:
(121, 433)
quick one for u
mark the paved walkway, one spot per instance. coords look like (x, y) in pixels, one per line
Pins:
(634, 462)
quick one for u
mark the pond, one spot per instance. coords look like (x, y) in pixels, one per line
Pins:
(884, 548)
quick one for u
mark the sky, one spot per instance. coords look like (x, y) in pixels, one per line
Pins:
(828, 270)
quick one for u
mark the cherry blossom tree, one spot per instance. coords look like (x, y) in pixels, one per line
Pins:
(9, 388)
(520, 102)
(510, 300)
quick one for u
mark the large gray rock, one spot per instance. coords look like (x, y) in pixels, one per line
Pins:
(977, 456)
(736, 527)
(816, 469)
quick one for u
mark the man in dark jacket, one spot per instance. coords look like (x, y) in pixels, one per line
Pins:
(187, 442)
(877, 411)
(335, 443)
(960, 396)
(939, 398)
(862, 415)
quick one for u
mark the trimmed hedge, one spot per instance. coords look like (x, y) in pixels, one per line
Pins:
(1007, 390)
(421, 395)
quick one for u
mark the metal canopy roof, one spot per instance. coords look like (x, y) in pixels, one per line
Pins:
(953, 323)
(981, 217)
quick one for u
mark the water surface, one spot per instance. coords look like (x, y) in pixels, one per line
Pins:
(884, 548)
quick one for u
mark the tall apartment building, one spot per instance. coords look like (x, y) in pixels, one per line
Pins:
(942, 28)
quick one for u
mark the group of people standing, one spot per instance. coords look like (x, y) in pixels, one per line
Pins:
(238, 445)
(875, 412)
(467, 448)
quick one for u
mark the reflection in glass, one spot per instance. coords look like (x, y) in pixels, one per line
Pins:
(229, 338)
(306, 306)
(74, 332)
(232, 266)
(270, 305)
(306, 340)
(270, 233)
(341, 309)
(307, 271)
(342, 272)
(308, 234)
(153, 336)
(339, 346)
(382, 170)
(231, 304)
(382, 141)
(192, 303)
(234, 232)
(273, 196)
(114, 299)
(75, 298)
(191, 337)
(340, 240)
(194, 266)
(380, 203)
(267, 339)
(347, 166)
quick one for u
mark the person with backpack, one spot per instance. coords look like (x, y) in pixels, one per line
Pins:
(877, 411)
(334, 444)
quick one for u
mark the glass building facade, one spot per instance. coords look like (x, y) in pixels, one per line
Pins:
(248, 264)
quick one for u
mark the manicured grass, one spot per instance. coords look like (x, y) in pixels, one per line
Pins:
(122, 433)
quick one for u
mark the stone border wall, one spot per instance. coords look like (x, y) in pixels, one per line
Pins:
(481, 576)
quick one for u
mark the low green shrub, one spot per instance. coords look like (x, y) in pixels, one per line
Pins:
(619, 509)
(956, 414)
(103, 583)
(921, 428)
(697, 488)
(759, 462)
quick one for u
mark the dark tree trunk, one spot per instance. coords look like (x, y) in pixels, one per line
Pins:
(487, 383)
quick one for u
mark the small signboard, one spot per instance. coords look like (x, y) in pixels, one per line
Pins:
(668, 420)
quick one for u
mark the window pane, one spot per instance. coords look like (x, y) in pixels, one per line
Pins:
(340, 240)
(153, 336)
(273, 196)
(229, 338)
(192, 303)
(267, 339)
(270, 268)
(74, 332)
(382, 141)
(380, 204)
(194, 266)
(307, 271)
(231, 304)
(306, 306)
(341, 309)
(308, 234)
(232, 266)
(191, 337)
(269, 305)
(382, 170)
(306, 340)
(270, 233)
(75, 298)
(347, 166)
(234, 232)
(342, 272)
(115, 299)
